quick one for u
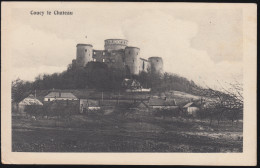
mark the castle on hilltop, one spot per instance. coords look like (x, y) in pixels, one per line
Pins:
(117, 54)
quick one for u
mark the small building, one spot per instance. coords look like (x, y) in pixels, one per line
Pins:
(131, 84)
(28, 101)
(60, 95)
(191, 108)
(89, 105)
(141, 105)
(159, 103)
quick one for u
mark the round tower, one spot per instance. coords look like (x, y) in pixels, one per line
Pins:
(84, 54)
(156, 64)
(132, 59)
(115, 44)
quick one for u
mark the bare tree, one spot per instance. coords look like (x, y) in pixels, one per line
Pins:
(226, 103)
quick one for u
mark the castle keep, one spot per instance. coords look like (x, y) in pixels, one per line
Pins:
(118, 54)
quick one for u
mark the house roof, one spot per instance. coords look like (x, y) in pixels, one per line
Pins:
(188, 105)
(56, 94)
(30, 100)
(161, 102)
(191, 104)
(143, 59)
(139, 104)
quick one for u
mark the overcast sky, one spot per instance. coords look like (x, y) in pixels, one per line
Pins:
(201, 44)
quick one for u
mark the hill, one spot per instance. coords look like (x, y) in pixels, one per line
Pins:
(98, 77)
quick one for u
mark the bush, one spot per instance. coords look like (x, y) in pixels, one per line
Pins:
(35, 110)
(167, 112)
(61, 108)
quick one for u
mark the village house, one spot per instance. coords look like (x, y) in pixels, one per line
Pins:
(28, 101)
(162, 103)
(59, 95)
(191, 108)
(140, 105)
(88, 105)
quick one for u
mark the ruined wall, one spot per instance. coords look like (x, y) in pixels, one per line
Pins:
(144, 65)
(115, 59)
(132, 59)
(115, 44)
(74, 63)
(156, 64)
(99, 55)
(84, 54)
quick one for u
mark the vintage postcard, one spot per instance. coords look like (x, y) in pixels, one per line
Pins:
(128, 83)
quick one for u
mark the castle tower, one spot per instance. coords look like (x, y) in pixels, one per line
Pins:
(115, 44)
(132, 59)
(156, 64)
(84, 54)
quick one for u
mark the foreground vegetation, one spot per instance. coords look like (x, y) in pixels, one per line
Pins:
(124, 132)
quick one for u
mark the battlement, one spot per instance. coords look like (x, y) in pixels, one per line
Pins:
(80, 44)
(115, 44)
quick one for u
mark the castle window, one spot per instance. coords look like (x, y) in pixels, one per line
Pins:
(103, 60)
(129, 52)
(94, 60)
(157, 60)
(103, 53)
(94, 53)
(133, 60)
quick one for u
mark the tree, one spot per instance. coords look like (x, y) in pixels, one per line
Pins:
(227, 103)
(20, 89)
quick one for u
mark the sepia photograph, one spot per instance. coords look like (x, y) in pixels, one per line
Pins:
(129, 78)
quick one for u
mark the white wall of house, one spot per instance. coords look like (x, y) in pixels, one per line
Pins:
(21, 108)
(88, 104)
(192, 110)
(164, 107)
(51, 99)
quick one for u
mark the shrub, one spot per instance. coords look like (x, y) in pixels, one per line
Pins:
(35, 110)
(167, 112)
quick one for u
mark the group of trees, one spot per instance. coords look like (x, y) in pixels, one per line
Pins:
(226, 104)
(20, 88)
(95, 75)
(165, 82)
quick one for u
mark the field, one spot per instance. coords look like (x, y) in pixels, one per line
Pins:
(124, 133)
